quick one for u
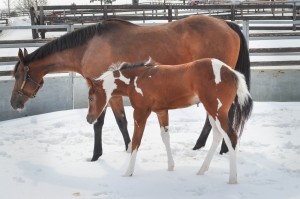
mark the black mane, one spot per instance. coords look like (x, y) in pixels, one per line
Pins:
(128, 66)
(70, 40)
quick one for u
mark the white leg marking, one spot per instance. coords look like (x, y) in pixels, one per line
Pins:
(232, 155)
(165, 136)
(129, 150)
(131, 165)
(217, 137)
(138, 90)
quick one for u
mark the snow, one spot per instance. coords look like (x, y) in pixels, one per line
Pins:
(46, 156)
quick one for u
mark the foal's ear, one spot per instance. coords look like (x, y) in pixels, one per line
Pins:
(89, 82)
(20, 55)
(25, 52)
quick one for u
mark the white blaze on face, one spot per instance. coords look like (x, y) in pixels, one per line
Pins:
(217, 65)
(138, 90)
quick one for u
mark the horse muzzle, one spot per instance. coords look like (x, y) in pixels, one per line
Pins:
(16, 103)
(90, 119)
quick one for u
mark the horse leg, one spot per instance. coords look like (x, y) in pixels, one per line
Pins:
(98, 136)
(163, 119)
(224, 148)
(140, 118)
(117, 107)
(216, 141)
(204, 135)
(230, 138)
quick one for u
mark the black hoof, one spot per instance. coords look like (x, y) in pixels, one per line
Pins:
(198, 146)
(95, 157)
(224, 149)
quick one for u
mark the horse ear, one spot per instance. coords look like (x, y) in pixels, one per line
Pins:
(20, 55)
(89, 82)
(25, 52)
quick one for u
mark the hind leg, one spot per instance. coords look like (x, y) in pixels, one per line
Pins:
(230, 138)
(217, 137)
(163, 119)
(204, 135)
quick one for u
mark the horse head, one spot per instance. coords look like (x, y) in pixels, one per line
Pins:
(27, 83)
(97, 100)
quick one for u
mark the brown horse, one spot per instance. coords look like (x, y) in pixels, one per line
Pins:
(89, 51)
(155, 88)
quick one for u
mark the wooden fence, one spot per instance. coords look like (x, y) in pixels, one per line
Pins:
(253, 51)
(84, 14)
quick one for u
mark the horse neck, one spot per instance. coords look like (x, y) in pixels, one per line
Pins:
(65, 61)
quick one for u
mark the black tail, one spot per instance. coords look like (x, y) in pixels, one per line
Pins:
(243, 62)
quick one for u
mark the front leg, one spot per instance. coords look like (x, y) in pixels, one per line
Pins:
(98, 136)
(140, 118)
(163, 119)
(116, 104)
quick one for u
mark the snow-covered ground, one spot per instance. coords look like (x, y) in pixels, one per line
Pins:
(46, 156)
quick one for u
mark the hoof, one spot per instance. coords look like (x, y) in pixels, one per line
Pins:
(232, 182)
(127, 174)
(198, 146)
(95, 157)
(171, 168)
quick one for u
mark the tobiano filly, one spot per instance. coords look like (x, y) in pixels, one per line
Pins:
(90, 50)
(155, 88)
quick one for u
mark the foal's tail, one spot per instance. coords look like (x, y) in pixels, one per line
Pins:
(243, 104)
(243, 62)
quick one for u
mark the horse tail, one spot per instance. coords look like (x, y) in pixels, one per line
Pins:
(243, 104)
(243, 62)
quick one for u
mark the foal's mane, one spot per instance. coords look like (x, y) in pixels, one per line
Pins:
(126, 66)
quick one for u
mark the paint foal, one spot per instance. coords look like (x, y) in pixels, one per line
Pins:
(155, 88)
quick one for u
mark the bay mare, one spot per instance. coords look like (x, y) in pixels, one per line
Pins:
(155, 88)
(89, 51)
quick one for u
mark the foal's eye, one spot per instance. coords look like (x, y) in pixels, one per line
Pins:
(90, 99)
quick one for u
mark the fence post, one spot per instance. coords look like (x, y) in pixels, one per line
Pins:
(294, 16)
(72, 75)
(170, 13)
(35, 35)
(246, 31)
(104, 12)
(42, 21)
(232, 13)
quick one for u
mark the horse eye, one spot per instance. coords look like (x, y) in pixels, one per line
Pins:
(90, 99)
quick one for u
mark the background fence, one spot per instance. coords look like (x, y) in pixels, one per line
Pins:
(61, 92)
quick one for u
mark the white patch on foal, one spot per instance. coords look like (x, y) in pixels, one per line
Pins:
(109, 84)
(131, 165)
(165, 136)
(219, 103)
(138, 90)
(217, 65)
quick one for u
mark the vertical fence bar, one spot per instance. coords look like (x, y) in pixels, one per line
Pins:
(170, 17)
(246, 31)
(294, 16)
(72, 75)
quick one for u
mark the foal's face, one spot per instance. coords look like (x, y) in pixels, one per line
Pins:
(97, 103)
